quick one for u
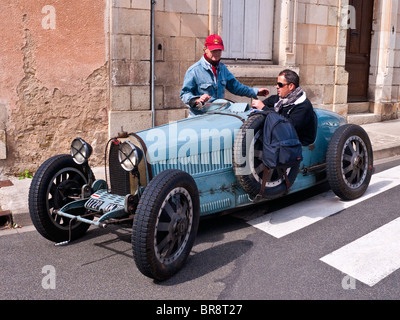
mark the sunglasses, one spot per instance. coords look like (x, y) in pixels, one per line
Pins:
(281, 85)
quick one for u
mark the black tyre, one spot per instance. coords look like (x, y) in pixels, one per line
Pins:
(248, 165)
(57, 182)
(349, 162)
(165, 224)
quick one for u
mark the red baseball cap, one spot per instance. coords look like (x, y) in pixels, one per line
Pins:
(214, 42)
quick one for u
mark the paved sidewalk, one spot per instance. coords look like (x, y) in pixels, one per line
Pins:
(384, 136)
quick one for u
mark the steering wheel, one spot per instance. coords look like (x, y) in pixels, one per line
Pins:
(216, 105)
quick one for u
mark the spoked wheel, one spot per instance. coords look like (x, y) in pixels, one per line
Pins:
(349, 162)
(58, 181)
(165, 224)
(248, 165)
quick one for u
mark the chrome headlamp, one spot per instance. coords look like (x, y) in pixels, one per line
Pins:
(80, 151)
(129, 155)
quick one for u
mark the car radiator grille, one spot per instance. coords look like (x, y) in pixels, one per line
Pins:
(119, 178)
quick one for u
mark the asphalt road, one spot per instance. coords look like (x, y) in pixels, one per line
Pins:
(231, 260)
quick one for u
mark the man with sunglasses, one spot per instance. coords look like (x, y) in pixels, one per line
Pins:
(292, 103)
(207, 79)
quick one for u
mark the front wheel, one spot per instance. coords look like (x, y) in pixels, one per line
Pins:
(57, 182)
(349, 162)
(165, 224)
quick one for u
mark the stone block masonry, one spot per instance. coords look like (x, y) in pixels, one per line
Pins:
(130, 72)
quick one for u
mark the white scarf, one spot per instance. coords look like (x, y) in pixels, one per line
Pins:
(295, 97)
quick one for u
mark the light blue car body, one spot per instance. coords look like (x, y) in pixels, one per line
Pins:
(188, 145)
(202, 146)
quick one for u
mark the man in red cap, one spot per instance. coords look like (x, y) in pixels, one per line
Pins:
(207, 79)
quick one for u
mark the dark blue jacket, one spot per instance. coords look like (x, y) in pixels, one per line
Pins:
(301, 115)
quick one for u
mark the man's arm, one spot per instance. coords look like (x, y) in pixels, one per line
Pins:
(189, 86)
(237, 88)
(266, 103)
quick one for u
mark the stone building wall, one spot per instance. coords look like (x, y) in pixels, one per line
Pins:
(180, 28)
(320, 54)
(384, 80)
(130, 66)
(84, 68)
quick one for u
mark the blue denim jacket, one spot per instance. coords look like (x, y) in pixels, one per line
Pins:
(199, 79)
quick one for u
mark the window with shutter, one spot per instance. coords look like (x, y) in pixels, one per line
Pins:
(247, 29)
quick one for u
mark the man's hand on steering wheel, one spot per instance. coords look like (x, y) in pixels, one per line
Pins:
(203, 99)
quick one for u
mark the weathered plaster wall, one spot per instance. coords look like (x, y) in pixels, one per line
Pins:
(53, 79)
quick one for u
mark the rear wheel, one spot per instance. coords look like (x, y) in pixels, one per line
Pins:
(57, 182)
(165, 224)
(349, 162)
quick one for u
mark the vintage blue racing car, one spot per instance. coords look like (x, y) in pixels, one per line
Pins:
(162, 180)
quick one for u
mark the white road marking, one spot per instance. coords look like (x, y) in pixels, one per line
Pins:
(307, 212)
(370, 258)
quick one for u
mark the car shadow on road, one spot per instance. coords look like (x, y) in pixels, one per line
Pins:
(207, 257)
(211, 259)
(212, 249)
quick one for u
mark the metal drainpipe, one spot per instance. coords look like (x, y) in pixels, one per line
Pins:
(153, 2)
